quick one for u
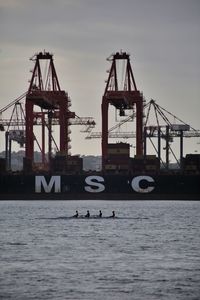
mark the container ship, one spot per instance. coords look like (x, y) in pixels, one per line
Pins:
(60, 175)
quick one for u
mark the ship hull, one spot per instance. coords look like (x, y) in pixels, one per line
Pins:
(100, 187)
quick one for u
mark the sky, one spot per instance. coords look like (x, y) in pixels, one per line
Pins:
(162, 37)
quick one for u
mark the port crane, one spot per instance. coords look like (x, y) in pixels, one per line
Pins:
(166, 126)
(44, 105)
(14, 128)
(126, 97)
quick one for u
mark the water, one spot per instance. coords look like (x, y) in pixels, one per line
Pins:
(151, 251)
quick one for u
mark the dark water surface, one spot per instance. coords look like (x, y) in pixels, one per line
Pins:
(150, 251)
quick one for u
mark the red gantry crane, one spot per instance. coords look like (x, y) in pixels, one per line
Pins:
(46, 105)
(123, 96)
(45, 92)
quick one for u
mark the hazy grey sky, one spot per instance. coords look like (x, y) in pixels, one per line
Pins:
(163, 38)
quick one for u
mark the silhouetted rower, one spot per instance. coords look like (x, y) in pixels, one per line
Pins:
(100, 214)
(113, 214)
(88, 214)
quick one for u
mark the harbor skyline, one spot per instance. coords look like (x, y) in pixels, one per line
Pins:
(161, 37)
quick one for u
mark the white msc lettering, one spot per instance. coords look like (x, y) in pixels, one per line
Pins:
(135, 183)
(40, 182)
(94, 181)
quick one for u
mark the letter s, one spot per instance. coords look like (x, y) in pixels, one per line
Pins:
(94, 181)
(135, 183)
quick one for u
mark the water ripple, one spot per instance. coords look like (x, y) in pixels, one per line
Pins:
(149, 251)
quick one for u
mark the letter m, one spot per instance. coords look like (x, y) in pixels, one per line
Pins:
(40, 182)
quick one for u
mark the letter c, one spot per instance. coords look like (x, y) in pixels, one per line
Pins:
(135, 183)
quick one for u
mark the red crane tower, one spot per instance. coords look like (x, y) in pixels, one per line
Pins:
(126, 97)
(44, 92)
